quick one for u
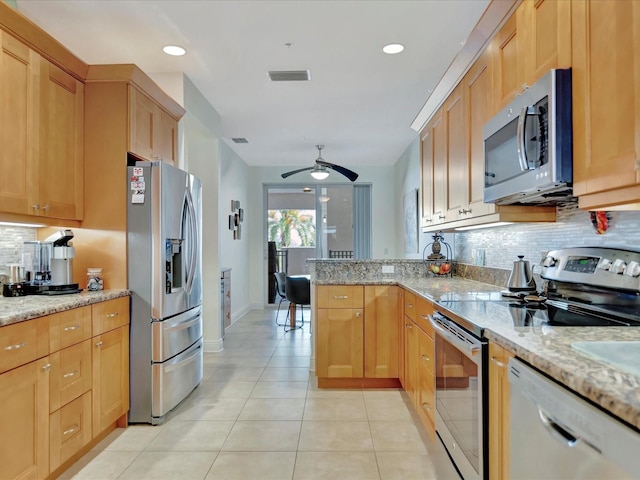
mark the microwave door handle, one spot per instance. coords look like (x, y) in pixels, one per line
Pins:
(522, 154)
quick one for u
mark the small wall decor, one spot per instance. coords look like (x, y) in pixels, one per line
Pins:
(235, 219)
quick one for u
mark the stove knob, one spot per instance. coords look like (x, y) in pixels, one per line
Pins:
(633, 269)
(549, 262)
(605, 264)
(618, 266)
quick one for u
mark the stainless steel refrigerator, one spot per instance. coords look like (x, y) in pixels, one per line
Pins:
(164, 218)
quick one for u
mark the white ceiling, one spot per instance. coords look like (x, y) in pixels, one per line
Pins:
(359, 103)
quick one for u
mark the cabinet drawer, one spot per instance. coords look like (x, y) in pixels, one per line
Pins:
(71, 374)
(69, 327)
(69, 430)
(23, 342)
(340, 296)
(425, 308)
(426, 349)
(410, 306)
(109, 315)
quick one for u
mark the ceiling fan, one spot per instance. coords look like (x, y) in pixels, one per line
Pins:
(320, 170)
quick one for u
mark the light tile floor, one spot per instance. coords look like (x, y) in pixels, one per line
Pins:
(258, 414)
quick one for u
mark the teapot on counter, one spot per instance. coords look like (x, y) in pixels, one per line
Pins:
(521, 278)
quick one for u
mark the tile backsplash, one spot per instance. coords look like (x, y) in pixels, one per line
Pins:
(573, 228)
(11, 239)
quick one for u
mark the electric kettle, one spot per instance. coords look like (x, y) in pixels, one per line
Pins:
(521, 279)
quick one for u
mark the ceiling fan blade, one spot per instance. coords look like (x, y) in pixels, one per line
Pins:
(350, 174)
(293, 172)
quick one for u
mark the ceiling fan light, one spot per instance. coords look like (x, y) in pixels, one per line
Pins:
(319, 174)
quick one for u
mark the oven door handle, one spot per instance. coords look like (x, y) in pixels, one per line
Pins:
(464, 347)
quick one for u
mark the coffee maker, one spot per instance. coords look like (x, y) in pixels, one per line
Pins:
(51, 269)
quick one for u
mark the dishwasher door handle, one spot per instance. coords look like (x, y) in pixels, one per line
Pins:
(557, 431)
(466, 348)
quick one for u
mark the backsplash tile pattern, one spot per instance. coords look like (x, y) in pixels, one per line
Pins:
(11, 239)
(573, 228)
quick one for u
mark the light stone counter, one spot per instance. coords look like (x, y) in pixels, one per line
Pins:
(18, 309)
(545, 347)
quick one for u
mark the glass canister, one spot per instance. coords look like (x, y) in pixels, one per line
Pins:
(94, 279)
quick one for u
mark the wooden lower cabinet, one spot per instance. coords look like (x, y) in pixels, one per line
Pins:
(425, 395)
(24, 419)
(340, 343)
(498, 412)
(411, 359)
(70, 429)
(381, 331)
(111, 377)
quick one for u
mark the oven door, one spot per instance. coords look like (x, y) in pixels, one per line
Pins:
(460, 395)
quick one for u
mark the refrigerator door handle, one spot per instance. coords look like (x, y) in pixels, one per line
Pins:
(190, 235)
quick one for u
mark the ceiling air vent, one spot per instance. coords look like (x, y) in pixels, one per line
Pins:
(289, 75)
(240, 140)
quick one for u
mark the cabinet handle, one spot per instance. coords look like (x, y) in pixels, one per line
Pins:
(407, 325)
(99, 344)
(71, 374)
(424, 317)
(409, 305)
(15, 347)
(46, 208)
(498, 362)
(71, 429)
(427, 407)
(441, 217)
(36, 207)
(428, 220)
(425, 358)
(71, 327)
(357, 314)
(341, 297)
(46, 367)
(115, 314)
(463, 211)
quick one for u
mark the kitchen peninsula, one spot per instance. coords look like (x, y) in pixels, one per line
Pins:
(480, 308)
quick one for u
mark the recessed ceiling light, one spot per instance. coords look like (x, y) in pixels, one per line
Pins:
(174, 50)
(393, 48)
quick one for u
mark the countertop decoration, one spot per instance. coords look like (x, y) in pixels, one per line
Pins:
(437, 263)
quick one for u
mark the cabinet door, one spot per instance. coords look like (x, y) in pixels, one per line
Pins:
(410, 359)
(61, 144)
(166, 137)
(19, 84)
(547, 33)
(110, 378)
(381, 325)
(426, 171)
(142, 119)
(340, 343)
(457, 164)
(439, 184)
(24, 416)
(70, 429)
(479, 100)
(606, 101)
(425, 394)
(498, 412)
(506, 63)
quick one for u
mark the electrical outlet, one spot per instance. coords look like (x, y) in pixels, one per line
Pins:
(388, 268)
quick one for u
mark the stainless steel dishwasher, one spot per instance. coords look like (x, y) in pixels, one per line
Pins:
(555, 434)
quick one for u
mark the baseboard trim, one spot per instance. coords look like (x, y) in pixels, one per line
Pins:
(358, 383)
(213, 346)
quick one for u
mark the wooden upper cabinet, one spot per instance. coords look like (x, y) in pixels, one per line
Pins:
(154, 132)
(426, 173)
(547, 37)
(20, 87)
(457, 157)
(61, 144)
(478, 85)
(439, 185)
(606, 102)
(507, 63)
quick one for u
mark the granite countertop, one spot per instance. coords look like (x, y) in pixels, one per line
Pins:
(547, 348)
(18, 309)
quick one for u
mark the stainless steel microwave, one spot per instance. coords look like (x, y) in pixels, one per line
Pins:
(528, 150)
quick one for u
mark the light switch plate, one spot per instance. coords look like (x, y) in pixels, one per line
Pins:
(388, 268)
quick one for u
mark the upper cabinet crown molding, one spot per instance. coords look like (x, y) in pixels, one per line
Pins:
(132, 74)
(17, 24)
